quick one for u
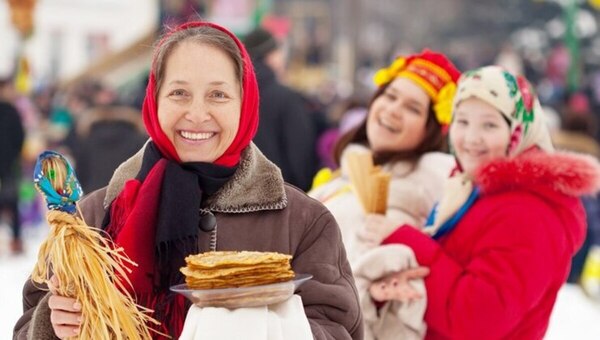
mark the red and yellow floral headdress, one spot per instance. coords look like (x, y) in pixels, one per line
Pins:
(432, 71)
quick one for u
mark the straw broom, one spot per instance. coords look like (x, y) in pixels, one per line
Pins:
(87, 264)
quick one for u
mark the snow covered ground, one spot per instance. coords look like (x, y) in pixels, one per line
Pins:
(14, 270)
(574, 317)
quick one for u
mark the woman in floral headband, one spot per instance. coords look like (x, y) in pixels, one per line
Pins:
(404, 130)
(508, 224)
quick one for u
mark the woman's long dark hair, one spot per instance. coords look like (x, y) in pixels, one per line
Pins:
(434, 139)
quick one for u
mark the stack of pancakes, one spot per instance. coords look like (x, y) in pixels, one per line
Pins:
(232, 269)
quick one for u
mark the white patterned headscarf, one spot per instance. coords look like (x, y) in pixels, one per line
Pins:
(513, 97)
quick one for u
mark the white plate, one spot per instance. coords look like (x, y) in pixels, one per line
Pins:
(254, 296)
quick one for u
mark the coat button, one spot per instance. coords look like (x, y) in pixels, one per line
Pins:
(208, 222)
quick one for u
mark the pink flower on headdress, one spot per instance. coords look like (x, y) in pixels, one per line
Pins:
(525, 90)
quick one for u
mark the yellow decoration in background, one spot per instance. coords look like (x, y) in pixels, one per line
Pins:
(594, 3)
(23, 76)
(324, 176)
(590, 277)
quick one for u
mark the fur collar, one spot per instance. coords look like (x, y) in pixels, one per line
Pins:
(565, 172)
(256, 185)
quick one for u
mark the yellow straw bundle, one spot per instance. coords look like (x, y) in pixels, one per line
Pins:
(370, 183)
(91, 269)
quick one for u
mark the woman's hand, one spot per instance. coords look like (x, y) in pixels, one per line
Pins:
(377, 228)
(397, 286)
(65, 313)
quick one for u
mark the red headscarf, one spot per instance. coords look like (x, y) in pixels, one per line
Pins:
(248, 117)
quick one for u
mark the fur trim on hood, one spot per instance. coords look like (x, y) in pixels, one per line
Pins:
(565, 172)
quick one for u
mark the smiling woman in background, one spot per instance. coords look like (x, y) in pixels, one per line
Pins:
(405, 131)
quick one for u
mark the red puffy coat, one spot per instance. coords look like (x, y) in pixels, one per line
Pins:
(497, 274)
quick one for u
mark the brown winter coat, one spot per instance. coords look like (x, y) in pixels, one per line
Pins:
(255, 210)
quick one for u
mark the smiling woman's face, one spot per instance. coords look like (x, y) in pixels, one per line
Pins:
(478, 134)
(398, 117)
(199, 102)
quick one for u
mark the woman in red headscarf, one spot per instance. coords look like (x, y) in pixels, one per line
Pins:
(199, 185)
